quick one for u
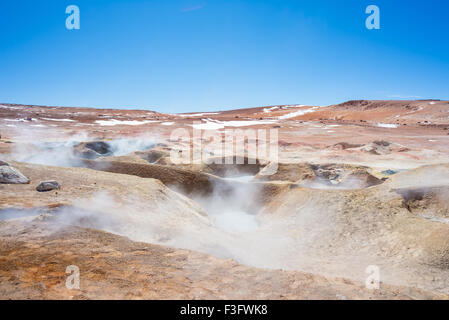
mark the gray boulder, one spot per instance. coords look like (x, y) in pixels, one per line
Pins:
(48, 186)
(10, 175)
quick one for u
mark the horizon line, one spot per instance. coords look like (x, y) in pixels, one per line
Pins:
(154, 109)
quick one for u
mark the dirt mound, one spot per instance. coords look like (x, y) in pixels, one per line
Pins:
(323, 175)
(363, 227)
(290, 172)
(83, 183)
(218, 166)
(400, 112)
(370, 105)
(421, 177)
(383, 147)
(155, 155)
(431, 202)
(344, 176)
(187, 181)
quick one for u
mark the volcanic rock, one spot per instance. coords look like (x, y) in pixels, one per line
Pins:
(10, 175)
(48, 186)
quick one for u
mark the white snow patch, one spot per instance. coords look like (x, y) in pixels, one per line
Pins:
(209, 125)
(114, 122)
(62, 120)
(215, 124)
(413, 111)
(19, 120)
(297, 113)
(15, 120)
(167, 123)
(196, 114)
(387, 125)
(241, 178)
(293, 106)
(266, 110)
(11, 108)
(246, 123)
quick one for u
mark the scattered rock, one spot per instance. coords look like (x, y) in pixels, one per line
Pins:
(48, 186)
(10, 175)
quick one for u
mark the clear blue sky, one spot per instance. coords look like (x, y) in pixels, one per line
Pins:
(200, 55)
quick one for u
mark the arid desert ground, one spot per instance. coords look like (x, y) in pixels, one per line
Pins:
(349, 188)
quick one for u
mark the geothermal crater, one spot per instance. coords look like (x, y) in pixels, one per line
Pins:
(307, 222)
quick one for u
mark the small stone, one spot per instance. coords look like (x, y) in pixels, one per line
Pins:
(48, 186)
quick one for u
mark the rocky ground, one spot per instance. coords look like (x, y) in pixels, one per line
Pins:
(354, 185)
